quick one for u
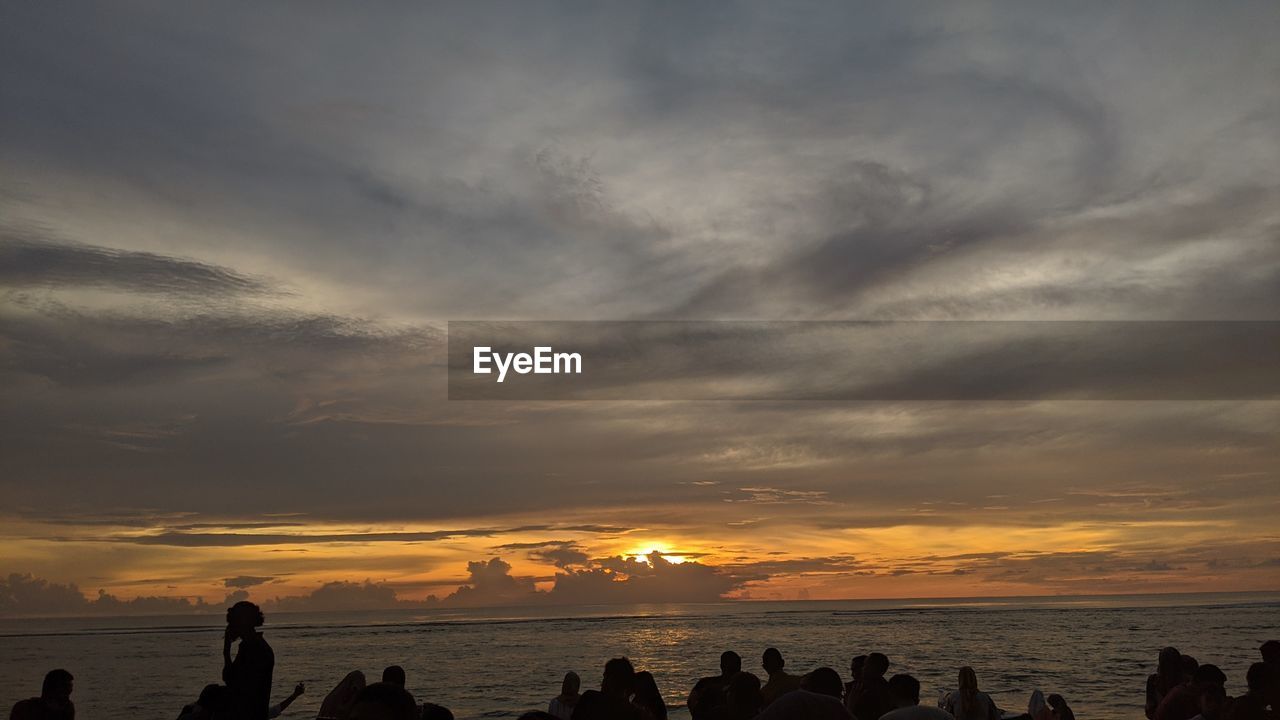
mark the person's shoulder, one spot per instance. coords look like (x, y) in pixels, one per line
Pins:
(29, 709)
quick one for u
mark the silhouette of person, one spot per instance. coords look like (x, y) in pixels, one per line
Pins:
(904, 690)
(1270, 652)
(54, 702)
(1263, 681)
(613, 700)
(562, 705)
(708, 692)
(855, 675)
(872, 698)
(742, 699)
(1168, 675)
(1061, 711)
(818, 698)
(968, 702)
(780, 682)
(1213, 703)
(339, 700)
(212, 703)
(248, 676)
(393, 674)
(1183, 701)
(431, 711)
(647, 698)
(383, 701)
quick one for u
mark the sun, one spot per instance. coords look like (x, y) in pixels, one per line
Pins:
(641, 553)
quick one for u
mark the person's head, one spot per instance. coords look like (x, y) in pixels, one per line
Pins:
(744, 691)
(619, 677)
(432, 711)
(57, 685)
(1213, 700)
(1189, 665)
(905, 690)
(856, 665)
(730, 663)
(1208, 675)
(570, 685)
(1271, 652)
(876, 666)
(383, 701)
(393, 674)
(335, 704)
(243, 617)
(213, 697)
(772, 661)
(968, 680)
(1170, 662)
(823, 681)
(645, 687)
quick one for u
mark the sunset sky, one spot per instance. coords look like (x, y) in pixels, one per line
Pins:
(231, 236)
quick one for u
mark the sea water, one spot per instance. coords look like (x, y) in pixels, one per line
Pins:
(1096, 652)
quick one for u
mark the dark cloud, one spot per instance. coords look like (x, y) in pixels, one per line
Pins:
(234, 539)
(341, 596)
(654, 580)
(24, 595)
(245, 581)
(26, 262)
(491, 584)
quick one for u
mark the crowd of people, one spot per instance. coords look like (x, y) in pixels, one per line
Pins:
(1180, 689)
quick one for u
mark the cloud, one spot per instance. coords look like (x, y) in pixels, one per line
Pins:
(654, 580)
(341, 596)
(561, 553)
(491, 583)
(237, 539)
(36, 262)
(24, 595)
(244, 582)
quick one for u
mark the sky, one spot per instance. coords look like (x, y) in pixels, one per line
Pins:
(231, 237)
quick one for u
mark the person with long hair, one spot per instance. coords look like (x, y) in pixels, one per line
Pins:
(341, 697)
(967, 702)
(647, 698)
(562, 705)
(54, 702)
(1168, 675)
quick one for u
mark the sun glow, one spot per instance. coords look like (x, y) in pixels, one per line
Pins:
(641, 553)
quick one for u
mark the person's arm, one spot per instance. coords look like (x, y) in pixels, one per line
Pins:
(279, 708)
(227, 639)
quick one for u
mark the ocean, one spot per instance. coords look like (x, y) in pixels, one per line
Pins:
(496, 663)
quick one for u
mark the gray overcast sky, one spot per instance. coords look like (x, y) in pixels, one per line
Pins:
(230, 236)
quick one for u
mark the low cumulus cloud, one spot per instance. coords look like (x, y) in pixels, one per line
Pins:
(25, 595)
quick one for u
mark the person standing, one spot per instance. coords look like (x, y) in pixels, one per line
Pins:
(248, 675)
